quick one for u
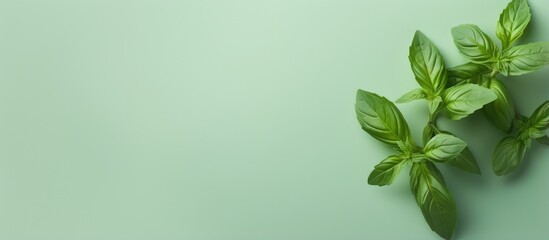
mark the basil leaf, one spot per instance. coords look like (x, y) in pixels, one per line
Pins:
(465, 161)
(474, 44)
(434, 103)
(501, 111)
(512, 22)
(381, 118)
(523, 59)
(415, 94)
(433, 198)
(428, 133)
(535, 133)
(467, 71)
(385, 172)
(462, 100)
(427, 65)
(540, 118)
(443, 147)
(507, 155)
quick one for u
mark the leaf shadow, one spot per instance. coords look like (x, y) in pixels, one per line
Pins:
(525, 165)
(466, 181)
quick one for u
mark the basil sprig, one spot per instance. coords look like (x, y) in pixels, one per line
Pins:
(456, 102)
(510, 151)
(456, 93)
(382, 120)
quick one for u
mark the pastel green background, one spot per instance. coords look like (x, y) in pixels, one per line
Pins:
(216, 120)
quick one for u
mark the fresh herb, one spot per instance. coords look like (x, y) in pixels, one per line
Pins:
(456, 93)
(486, 62)
(382, 119)
(510, 151)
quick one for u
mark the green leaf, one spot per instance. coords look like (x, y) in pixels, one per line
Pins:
(427, 65)
(512, 22)
(415, 94)
(428, 132)
(433, 198)
(501, 111)
(507, 155)
(462, 100)
(474, 44)
(523, 59)
(434, 103)
(443, 147)
(468, 71)
(535, 133)
(381, 118)
(385, 172)
(465, 161)
(540, 118)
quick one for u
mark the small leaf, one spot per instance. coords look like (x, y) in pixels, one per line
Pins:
(465, 161)
(501, 111)
(540, 118)
(462, 100)
(468, 71)
(507, 155)
(415, 94)
(385, 172)
(434, 103)
(523, 59)
(512, 22)
(428, 132)
(427, 65)
(535, 133)
(433, 198)
(381, 118)
(474, 44)
(443, 147)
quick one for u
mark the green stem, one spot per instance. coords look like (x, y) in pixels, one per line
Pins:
(493, 74)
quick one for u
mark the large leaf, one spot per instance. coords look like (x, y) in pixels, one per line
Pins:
(507, 155)
(443, 147)
(427, 65)
(501, 111)
(523, 59)
(474, 44)
(462, 100)
(433, 198)
(385, 172)
(465, 161)
(512, 22)
(381, 118)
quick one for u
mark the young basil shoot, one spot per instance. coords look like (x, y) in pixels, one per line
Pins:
(382, 120)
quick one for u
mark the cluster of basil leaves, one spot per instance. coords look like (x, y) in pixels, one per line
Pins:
(486, 61)
(456, 93)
